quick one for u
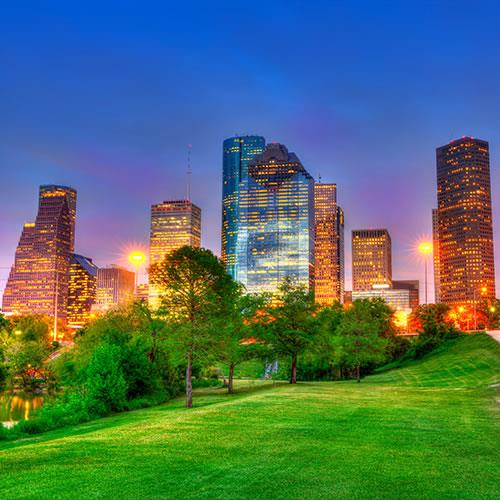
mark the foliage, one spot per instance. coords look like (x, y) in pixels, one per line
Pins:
(292, 327)
(359, 339)
(106, 388)
(196, 294)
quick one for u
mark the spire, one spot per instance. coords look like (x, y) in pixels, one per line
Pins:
(188, 173)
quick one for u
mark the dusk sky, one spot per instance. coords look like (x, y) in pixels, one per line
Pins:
(105, 97)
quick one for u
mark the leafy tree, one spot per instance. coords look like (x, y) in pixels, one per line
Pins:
(293, 328)
(359, 340)
(106, 385)
(238, 340)
(196, 295)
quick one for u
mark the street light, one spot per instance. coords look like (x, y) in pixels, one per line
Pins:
(137, 258)
(482, 291)
(425, 248)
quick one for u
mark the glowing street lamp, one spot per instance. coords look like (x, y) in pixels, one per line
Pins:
(425, 248)
(137, 258)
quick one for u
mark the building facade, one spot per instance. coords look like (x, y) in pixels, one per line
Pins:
(328, 245)
(413, 286)
(115, 286)
(276, 222)
(39, 279)
(371, 259)
(237, 154)
(435, 255)
(466, 265)
(174, 223)
(82, 289)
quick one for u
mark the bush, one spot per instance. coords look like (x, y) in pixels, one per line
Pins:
(106, 386)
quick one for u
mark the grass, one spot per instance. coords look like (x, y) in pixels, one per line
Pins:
(427, 430)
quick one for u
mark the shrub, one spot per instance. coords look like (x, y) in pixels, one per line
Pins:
(106, 386)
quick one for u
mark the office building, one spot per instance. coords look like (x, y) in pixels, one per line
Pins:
(414, 291)
(328, 245)
(466, 266)
(115, 286)
(82, 290)
(38, 280)
(371, 259)
(276, 228)
(435, 255)
(237, 154)
(174, 224)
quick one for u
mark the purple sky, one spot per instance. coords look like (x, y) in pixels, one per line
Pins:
(106, 98)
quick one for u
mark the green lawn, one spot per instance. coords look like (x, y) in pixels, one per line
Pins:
(424, 431)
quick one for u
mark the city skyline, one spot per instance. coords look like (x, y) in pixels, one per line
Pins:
(113, 113)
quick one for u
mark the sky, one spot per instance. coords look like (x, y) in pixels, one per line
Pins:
(106, 97)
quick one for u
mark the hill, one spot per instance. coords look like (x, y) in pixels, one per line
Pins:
(426, 430)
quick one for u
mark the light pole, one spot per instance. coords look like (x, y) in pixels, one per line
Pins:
(483, 290)
(425, 248)
(137, 258)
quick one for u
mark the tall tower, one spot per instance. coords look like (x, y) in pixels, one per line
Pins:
(237, 154)
(38, 280)
(465, 227)
(174, 223)
(115, 286)
(435, 255)
(276, 222)
(82, 289)
(371, 259)
(328, 245)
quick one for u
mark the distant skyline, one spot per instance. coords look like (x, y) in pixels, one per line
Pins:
(105, 98)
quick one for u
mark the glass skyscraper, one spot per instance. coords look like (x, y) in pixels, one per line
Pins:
(237, 154)
(276, 222)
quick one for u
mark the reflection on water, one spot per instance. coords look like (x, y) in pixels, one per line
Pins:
(18, 406)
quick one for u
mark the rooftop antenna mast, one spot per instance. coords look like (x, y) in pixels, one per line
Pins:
(188, 190)
(319, 178)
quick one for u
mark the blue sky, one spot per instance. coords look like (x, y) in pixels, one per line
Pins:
(105, 97)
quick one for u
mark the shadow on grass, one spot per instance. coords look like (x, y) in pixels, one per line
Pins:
(203, 397)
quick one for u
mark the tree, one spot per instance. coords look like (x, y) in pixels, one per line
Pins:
(196, 293)
(239, 336)
(359, 338)
(293, 327)
(106, 386)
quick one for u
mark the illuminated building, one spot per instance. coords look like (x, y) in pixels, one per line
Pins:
(435, 255)
(371, 259)
(142, 292)
(276, 230)
(414, 290)
(82, 289)
(237, 154)
(38, 280)
(174, 224)
(465, 228)
(328, 245)
(115, 286)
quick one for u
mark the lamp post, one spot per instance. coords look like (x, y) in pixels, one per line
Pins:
(483, 290)
(425, 248)
(137, 258)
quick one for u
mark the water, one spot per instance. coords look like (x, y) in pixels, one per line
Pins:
(18, 406)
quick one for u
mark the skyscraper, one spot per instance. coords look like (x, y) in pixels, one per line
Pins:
(38, 280)
(82, 289)
(115, 286)
(465, 227)
(276, 222)
(174, 223)
(328, 245)
(371, 259)
(435, 255)
(237, 154)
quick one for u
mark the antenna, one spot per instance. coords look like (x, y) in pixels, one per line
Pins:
(188, 173)
(319, 178)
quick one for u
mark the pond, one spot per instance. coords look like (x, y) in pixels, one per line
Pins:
(18, 406)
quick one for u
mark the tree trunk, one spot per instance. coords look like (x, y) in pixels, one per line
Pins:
(189, 382)
(293, 377)
(230, 389)
(358, 377)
